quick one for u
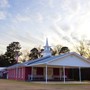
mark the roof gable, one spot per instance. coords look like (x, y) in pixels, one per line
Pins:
(71, 60)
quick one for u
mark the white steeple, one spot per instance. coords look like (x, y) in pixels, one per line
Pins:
(47, 51)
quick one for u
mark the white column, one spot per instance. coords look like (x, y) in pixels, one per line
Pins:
(79, 74)
(64, 74)
(46, 74)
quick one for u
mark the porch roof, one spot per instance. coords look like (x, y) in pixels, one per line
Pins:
(2, 68)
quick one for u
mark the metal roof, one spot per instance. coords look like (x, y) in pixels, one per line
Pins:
(83, 62)
(48, 59)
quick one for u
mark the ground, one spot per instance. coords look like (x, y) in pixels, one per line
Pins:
(20, 85)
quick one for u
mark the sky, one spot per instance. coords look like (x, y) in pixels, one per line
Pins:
(30, 22)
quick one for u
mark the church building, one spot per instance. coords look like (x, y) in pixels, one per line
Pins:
(65, 67)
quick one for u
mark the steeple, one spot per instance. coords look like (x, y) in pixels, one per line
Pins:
(47, 51)
(46, 41)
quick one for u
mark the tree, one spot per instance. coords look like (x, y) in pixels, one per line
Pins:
(34, 54)
(56, 50)
(88, 53)
(13, 52)
(83, 48)
(64, 50)
(3, 61)
(25, 56)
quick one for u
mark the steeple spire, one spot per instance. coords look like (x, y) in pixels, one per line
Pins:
(47, 51)
(46, 41)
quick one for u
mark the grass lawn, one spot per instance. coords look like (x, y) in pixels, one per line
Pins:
(20, 85)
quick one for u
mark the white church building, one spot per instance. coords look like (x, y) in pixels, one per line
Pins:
(65, 67)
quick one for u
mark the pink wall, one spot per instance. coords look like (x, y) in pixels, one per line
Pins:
(20, 73)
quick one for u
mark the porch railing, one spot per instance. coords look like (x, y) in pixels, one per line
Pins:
(42, 77)
(35, 77)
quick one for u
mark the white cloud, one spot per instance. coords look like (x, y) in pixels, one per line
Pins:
(2, 15)
(39, 17)
(75, 18)
(51, 3)
(4, 4)
(21, 18)
(61, 20)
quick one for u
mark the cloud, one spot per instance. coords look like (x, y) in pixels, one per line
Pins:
(2, 15)
(46, 3)
(26, 39)
(22, 18)
(39, 17)
(4, 4)
(65, 27)
(51, 3)
(66, 38)
(75, 18)
(61, 20)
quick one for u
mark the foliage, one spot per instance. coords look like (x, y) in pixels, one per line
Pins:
(3, 61)
(13, 51)
(64, 50)
(37, 53)
(34, 54)
(25, 56)
(83, 48)
(56, 50)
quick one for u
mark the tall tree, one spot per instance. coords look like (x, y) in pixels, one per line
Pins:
(13, 52)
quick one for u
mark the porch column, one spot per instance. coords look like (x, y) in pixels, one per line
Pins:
(79, 74)
(46, 74)
(64, 74)
(32, 74)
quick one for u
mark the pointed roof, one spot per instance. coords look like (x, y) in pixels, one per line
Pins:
(47, 42)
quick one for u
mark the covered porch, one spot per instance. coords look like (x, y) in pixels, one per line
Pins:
(60, 68)
(56, 73)
(53, 73)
